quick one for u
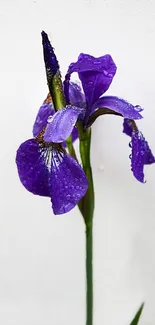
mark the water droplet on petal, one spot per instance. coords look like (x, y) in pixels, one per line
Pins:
(50, 119)
(68, 196)
(97, 62)
(105, 72)
(140, 136)
(110, 75)
(138, 108)
(130, 144)
(130, 156)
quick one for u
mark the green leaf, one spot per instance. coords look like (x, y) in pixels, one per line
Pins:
(137, 316)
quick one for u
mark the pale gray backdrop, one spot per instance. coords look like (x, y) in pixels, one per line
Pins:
(42, 255)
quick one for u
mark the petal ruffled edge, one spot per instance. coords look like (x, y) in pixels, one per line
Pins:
(141, 155)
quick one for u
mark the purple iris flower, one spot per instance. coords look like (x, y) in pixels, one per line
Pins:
(141, 153)
(44, 167)
(96, 75)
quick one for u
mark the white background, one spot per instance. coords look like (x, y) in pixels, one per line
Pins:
(41, 255)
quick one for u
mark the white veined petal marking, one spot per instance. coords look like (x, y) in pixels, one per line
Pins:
(52, 156)
(57, 158)
(53, 153)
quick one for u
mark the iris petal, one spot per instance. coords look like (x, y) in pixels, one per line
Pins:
(141, 155)
(51, 172)
(68, 183)
(32, 169)
(61, 124)
(76, 96)
(74, 134)
(117, 105)
(44, 112)
(127, 127)
(96, 75)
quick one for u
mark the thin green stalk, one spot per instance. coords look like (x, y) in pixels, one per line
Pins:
(70, 147)
(89, 274)
(86, 206)
(56, 90)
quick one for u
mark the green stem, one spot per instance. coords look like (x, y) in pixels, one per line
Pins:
(56, 90)
(70, 147)
(89, 274)
(86, 206)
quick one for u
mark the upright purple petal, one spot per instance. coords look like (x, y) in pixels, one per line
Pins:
(32, 169)
(118, 105)
(76, 96)
(44, 112)
(61, 124)
(141, 155)
(68, 183)
(96, 75)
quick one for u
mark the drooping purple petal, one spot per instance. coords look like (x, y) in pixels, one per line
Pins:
(96, 75)
(50, 171)
(76, 96)
(118, 105)
(127, 127)
(141, 155)
(68, 183)
(32, 169)
(61, 124)
(45, 111)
